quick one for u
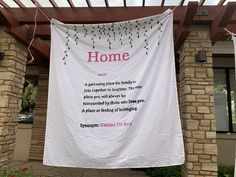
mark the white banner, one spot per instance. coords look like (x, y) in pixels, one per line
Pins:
(112, 95)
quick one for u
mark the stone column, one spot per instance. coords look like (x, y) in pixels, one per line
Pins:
(12, 78)
(197, 106)
(39, 125)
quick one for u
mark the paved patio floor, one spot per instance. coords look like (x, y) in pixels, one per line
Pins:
(40, 170)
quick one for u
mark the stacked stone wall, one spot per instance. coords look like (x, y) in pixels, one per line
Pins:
(39, 125)
(12, 78)
(197, 106)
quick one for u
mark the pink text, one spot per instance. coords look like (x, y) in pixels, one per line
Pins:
(97, 57)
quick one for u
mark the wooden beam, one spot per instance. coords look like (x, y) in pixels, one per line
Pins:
(33, 77)
(184, 26)
(162, 2)
(221, 3)
(5, 5)
(181, 35)
(201, 2)
(221, 34)
(89, 15)
(8, 19)
(228, 13)
(106, 2)
(88, 3)
(54, 4)
(124, 3)
(143, 3)
(19, 3)
(70, 2)
(190, 13)
(181, 3)
(106, 15)
(42, 31)
(20, 33)
(34, 2)
(221, 20)
(39, 60)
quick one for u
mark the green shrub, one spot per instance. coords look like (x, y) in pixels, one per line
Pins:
(15, 171)
(225, 171)
(174, 171)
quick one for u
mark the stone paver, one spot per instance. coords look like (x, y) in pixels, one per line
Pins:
(40, 170)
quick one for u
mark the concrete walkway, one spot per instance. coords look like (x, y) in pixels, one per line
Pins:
(39, 170)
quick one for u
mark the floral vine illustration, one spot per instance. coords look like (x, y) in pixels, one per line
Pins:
(115, 34)
(67, 45)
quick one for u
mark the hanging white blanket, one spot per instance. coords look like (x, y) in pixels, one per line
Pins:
(112, 95)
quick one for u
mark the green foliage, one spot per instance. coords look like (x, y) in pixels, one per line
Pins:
(174, 171)
(15, 171)
(29, 98)
(225, 171)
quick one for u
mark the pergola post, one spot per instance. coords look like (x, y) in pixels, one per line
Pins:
(197, 106)
(39, 125)
(12, 78)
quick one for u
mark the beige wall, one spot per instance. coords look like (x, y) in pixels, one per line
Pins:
(226, 148)
(23, 138)
(221, 47)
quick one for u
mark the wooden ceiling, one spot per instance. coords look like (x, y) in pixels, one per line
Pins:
(20, 21)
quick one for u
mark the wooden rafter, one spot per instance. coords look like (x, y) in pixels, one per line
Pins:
(162, 2)
(221, 20)
(106, 2)
(190, 13)
(221, 2)
(106, 15)
(70, 2)
(8, 19)
(53, 2)
(201, 2)
(143, 3)
(19, 3)
(21, 33)
(5, 5)
(184, 17)
(42, 31)
(227, 14)
(88, 3)
(34, 2)
(39, 60)
(181, 3)
(85, 15)
(184, 26)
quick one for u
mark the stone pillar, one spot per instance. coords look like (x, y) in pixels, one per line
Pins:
(12, 78)
(39, 125)
(197, 106)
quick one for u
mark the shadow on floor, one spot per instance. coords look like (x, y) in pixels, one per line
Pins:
(40, 170)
